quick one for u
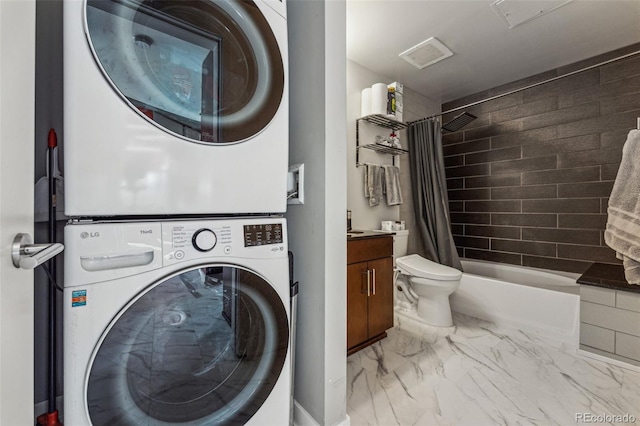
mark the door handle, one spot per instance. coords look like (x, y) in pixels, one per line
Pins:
(27, 255)
(368, 272)
(374, 280)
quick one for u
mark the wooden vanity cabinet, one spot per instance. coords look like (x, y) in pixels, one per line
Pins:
(369, 290)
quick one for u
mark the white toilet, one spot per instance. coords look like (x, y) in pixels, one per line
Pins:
(431, 282)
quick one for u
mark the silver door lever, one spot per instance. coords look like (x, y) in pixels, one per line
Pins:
(27, 255)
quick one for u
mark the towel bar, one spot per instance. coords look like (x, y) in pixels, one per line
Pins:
(393, 162)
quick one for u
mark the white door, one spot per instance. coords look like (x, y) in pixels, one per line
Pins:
(17, 91)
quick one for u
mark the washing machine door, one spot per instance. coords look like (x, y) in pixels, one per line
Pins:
(206, 71)
(205, 346)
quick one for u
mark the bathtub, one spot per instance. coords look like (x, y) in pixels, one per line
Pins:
(529, 299)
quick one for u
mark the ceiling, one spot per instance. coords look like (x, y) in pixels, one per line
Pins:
(486, 53)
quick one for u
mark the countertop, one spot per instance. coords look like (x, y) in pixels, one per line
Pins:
(362, 234)
(607, 276)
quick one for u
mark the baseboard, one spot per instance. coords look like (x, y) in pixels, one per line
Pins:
(606, 357)
(346, 422)
(42, 407)
(302, 418)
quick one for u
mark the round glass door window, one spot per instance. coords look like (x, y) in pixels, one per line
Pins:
(207, 71)
(205, 346)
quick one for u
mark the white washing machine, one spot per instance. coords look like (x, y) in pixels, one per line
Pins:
(182, 322)
(175, 107)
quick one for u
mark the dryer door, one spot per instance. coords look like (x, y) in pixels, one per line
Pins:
(205, 346)
(207, 71)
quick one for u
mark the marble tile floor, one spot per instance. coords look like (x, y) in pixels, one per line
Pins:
(477, 374)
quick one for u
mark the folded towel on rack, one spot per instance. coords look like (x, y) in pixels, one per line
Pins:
(623, 222)
(392, 185)
(373, 183)
(365, 167)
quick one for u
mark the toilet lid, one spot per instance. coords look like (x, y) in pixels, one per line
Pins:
(420, 267)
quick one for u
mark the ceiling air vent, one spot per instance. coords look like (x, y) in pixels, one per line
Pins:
(426, 53)
(516, 12)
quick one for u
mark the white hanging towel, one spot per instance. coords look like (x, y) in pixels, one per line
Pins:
(623, 222)
(392, 185)
(373, 183)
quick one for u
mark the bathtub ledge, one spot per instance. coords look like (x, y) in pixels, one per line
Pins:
(607, 276)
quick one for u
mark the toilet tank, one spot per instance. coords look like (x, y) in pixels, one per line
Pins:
(400, 243)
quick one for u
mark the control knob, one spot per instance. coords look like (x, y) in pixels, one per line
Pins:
(204, 240)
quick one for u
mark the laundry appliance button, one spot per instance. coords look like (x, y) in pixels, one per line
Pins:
(204, 240)
(227, 250)
(179, 255)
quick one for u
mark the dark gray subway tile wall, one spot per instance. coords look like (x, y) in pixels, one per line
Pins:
(529, 180)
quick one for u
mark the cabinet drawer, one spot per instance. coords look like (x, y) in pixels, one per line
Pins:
(369, 248)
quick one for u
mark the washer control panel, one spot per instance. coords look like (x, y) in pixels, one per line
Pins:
(242, 238)
(104, 251)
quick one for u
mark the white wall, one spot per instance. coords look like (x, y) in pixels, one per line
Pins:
(416, 106)
(17, 64)
(335, 26)
(317, 52)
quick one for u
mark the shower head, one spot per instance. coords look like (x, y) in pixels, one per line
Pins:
(459, 122)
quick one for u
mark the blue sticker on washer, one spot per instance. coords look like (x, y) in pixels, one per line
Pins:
(78, 298)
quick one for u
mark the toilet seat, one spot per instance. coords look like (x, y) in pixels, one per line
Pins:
(418, 266)
(435, 283)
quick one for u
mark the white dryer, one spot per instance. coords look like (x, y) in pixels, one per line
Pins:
(183, 322)
(175, 107)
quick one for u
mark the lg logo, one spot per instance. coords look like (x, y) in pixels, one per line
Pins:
(86, 235)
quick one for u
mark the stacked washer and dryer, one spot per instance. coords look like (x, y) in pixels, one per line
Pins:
(176, 294)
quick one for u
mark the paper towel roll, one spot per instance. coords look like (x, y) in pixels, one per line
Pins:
(365, 102)
(379, 98)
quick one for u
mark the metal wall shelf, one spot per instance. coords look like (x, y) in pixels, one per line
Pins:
(384, 121)
(381, 121)
(385, 149)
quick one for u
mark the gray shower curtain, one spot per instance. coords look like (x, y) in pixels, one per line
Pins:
(430, 200)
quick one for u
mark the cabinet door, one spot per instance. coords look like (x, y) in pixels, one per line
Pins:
(356, 304)
(381, 298)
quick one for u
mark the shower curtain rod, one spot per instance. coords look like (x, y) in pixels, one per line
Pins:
(527, 87)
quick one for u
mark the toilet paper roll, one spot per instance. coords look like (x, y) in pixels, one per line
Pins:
(379, 99)
(365, 102)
